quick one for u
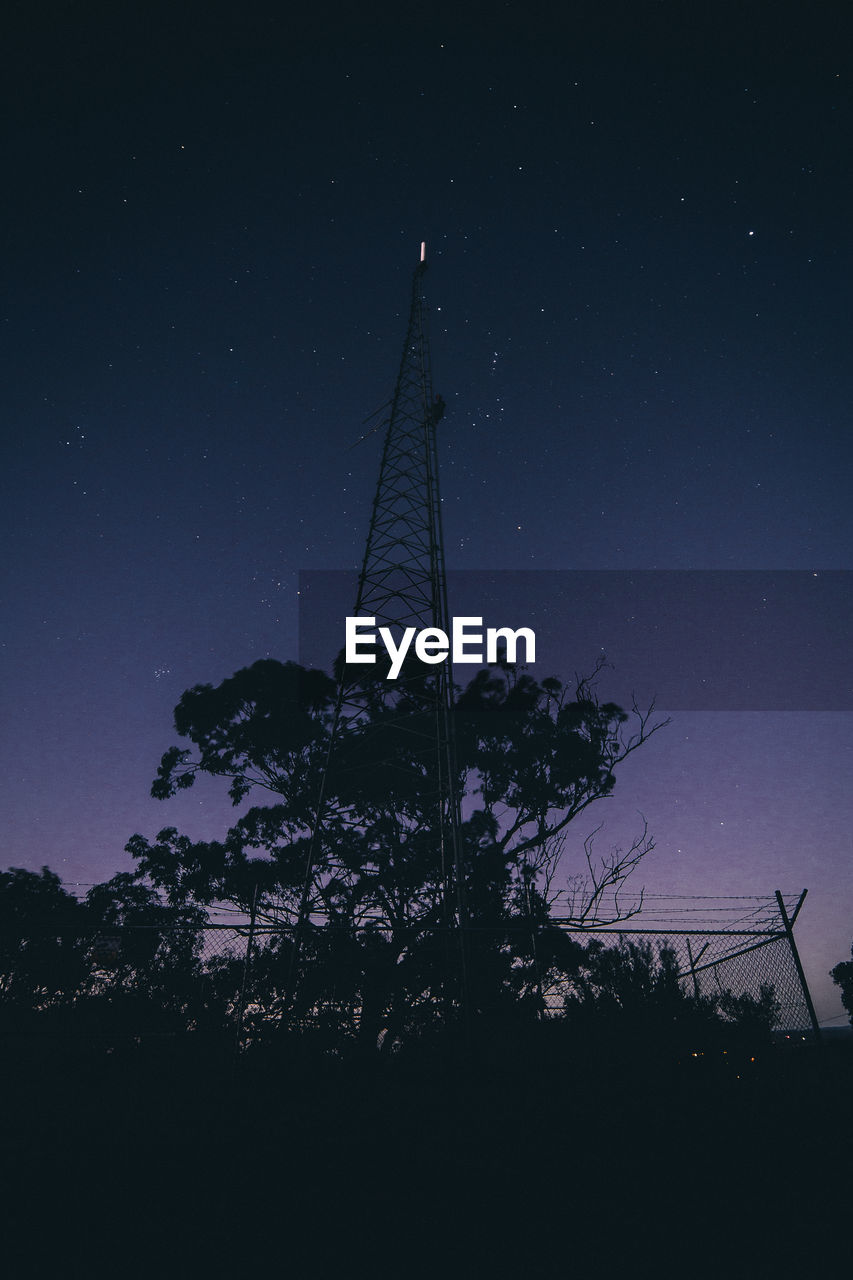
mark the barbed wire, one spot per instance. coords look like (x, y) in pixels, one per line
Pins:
(739, 951)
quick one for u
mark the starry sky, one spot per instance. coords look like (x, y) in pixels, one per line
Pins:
(637, 222)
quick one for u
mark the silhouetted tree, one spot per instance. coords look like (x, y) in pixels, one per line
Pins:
(121, 959)
(531, 757)
(632, 992)
(842, 976)
(43, 952)
(754, 1016)
(145, 970)
(537, 754)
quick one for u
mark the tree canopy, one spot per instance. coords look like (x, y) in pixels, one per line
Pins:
(118, 956)
(375, 947)
(842, 976)
(379, 960)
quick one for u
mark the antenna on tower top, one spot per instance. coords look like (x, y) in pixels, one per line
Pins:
(423, 251)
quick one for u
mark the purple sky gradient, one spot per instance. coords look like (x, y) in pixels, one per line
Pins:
(638, 230)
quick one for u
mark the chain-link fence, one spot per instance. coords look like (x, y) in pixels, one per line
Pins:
(713, 965)
(239, 978)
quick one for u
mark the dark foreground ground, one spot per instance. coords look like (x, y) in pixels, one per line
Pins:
(166, 1158)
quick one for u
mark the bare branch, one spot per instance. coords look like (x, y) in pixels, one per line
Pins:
(598, 898)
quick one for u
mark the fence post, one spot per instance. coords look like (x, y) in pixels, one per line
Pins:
(789, 930)
(693, 971)
(241, 1007)
(536, 969)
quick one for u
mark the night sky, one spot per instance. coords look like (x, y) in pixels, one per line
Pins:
(638, 229)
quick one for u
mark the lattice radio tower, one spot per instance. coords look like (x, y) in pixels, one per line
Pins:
(402, 584)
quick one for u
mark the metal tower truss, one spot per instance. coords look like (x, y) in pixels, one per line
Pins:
(402, 581)
(397, 735)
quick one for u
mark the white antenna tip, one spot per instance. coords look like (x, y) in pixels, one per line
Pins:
(423, 251)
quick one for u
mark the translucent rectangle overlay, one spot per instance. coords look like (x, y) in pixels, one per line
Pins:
(692, 640)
